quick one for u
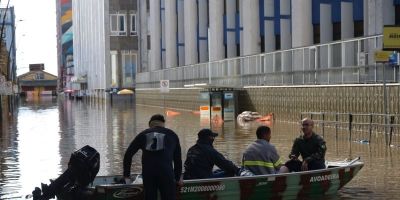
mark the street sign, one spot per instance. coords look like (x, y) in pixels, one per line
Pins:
(164, 86)
(382, 56)
(391, 37)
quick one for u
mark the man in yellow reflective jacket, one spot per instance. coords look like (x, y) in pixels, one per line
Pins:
(261, 156)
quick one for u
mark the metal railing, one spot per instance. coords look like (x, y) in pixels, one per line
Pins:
(342, 62)
(388, 124)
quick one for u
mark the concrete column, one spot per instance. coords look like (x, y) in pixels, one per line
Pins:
(251, 27)
(286, 38)
(347, 22)
(373, 17)
(216, 36)
(230, 11)
(269, 31)
(203, 31)
(388, 11)
(302, 28)
(326, 23)
(143, 24)
(181, 33)
(347, 32)
(170, 33)
(155, 35)
(163, 44)
(190, 32)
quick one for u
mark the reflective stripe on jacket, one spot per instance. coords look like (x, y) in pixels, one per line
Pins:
(261, 157)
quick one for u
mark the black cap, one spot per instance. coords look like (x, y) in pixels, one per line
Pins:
(204, 133)
(157, 117)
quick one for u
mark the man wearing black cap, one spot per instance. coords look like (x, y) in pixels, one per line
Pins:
(202, 157)
(160, 147)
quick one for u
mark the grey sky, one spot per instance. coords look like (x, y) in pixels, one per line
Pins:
(35, 34)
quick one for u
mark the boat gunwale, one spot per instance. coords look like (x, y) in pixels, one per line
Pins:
(238, 178)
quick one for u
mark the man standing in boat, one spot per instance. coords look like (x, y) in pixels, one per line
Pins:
(202, 157)
(261, 157)
(310, 146)
(161, 149)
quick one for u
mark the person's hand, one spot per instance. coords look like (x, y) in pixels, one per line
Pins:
(304, 166)
(293, 157)
(180, 182)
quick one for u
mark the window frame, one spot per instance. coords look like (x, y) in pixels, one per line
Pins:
(118, 32)
(131, 54)
(133, 29)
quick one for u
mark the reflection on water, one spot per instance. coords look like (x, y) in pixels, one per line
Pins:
(37, 142)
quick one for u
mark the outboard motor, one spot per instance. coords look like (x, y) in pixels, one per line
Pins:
(83, 167)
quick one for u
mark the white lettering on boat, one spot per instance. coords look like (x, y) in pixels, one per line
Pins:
(262, 183)
(324, 178)
(202, 188)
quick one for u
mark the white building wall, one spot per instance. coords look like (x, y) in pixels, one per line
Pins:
(171, 33)
(251, 27)
(302, 28)
(216, 36)
(155, 35)
(191, 56)
(203, 30)
(89, 44)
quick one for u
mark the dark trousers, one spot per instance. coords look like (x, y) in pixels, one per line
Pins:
(156, 181)
(295, 165)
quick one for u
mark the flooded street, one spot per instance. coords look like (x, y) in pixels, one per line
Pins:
(36, 143)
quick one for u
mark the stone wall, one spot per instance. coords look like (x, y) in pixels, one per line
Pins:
(288, 102)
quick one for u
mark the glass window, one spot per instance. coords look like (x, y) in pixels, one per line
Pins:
(133, 24)
(114, 64)
(128, 68)
(118, 25)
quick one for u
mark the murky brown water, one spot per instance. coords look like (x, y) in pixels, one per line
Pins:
(37, 142)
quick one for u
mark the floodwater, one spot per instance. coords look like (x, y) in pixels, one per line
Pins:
(36, 143)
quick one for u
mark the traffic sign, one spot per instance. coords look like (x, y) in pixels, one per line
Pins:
(164, 86)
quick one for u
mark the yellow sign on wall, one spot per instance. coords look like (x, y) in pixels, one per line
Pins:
(382, 56)
(391, 38)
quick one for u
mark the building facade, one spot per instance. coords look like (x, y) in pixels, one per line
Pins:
(105, 46)
(8, 67)
(7, 29)
(65, 44)
(37, 82)
(186, 32)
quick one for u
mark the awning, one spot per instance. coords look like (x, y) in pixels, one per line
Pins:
(125, 91)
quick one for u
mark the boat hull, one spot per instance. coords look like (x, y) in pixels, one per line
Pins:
(300, 185)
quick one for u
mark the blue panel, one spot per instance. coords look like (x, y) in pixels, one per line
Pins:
(358, 10)
(396, 2)
(315, 12)
(262, 14)
(336, 11)
(277, 14)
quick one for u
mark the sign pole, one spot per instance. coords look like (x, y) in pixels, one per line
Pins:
(385, 101)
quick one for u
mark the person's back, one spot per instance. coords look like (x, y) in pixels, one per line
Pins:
(261, 157)
(202, 157)
(160, 147)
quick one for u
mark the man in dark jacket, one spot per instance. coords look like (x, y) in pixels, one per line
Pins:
(160, 147)
(310, 146)
(202, 157)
